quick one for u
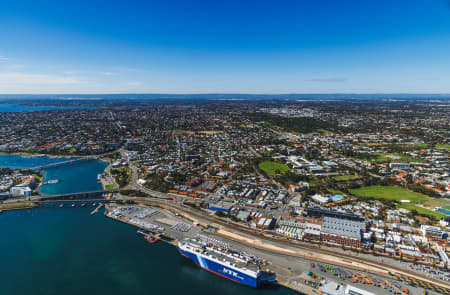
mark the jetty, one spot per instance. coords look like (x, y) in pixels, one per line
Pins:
(153, 237)
(53, 181)
(95, 211)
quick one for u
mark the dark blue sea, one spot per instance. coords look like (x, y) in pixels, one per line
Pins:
(54, 251)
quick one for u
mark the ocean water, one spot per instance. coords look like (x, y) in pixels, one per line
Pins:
(57, 251)
(16, 108)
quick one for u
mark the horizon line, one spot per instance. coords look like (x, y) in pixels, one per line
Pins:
(234, 93)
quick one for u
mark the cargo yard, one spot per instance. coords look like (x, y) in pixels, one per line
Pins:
(303, 275)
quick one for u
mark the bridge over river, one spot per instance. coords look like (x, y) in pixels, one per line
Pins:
(62, 163)
(72, 161)
(76, 195)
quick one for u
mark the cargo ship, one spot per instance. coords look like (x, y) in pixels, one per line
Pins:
(222, 260)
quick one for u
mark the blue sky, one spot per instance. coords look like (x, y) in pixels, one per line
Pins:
(315, 46)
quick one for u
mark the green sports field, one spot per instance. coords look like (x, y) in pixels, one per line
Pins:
(388, 193)
(109, 186)
(421, 210)
(393, 157)
(346, 177)
(271, 168)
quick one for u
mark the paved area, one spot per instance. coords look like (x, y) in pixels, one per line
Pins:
(290, 270)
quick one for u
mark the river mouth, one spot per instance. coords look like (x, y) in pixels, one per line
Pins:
(68, 251)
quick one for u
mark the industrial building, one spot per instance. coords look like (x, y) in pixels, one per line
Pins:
(342, 231)
(222, 207)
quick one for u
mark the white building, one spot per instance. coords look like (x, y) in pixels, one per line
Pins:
(321, 199)
(351, 290)
(432, 231)
(21, 191)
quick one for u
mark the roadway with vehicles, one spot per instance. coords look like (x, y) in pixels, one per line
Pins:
(273, 243)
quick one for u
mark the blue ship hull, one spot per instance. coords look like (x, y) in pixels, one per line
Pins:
(221, 270)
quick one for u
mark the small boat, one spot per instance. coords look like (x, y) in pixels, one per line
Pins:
(152, 238)
(61, 205)
(73, 206)
(83, 205)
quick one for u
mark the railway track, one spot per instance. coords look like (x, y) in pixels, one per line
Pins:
(349, 259)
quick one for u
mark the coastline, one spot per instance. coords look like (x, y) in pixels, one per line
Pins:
(300, 289)
(18, 206)
(243, 239)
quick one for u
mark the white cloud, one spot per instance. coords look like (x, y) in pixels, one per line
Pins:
(109, 73)
(16, 66)
(10, 79)
(4, 58)
(327, 80)
(136, 83)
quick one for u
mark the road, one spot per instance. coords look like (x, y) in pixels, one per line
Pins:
(134, 184)
(272, 243)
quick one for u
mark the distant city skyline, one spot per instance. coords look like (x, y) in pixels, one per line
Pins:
(246, 47)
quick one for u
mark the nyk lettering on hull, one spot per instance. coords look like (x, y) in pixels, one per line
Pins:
(230, 272)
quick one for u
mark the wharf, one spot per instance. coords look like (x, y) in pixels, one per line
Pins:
(291, 270)
(167, 235)
(17, 206)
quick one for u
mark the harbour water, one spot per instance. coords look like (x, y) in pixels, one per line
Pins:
(53, 250)
(67, 251)
(19, 161)
(80, 177)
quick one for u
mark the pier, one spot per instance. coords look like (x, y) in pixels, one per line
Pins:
(53, 181)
